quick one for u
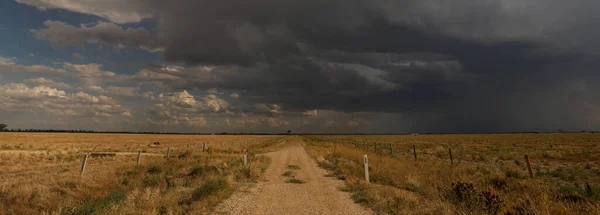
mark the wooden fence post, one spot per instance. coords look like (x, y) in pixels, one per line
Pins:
(168, 152)
(391, 149)
(85, 157)
(450, 152)
(245, 157)
(334, 147)
(204, 147)
(366, 168)
(139, 156)
(528, 166)
(415, 152)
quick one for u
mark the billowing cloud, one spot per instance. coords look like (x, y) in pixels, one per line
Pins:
(48, 83)
(123, 91)
(21, 98)
(61, 34)
(414, 65)
(114, 10)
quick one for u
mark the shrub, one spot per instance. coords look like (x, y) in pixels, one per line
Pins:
(196, 171)
(295, 181)
(209, 188)
(499, 183)
(151, 181)
(491, 202)
(154, 170)
(511, 173)
(463, 192)
(289, 174)
(90, 207)
(184, 155)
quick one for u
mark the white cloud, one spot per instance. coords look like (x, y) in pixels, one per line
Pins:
(274, 122)
(49, 83)
(195, 121)
(267, 108)
(179, 99)
(9, 65)
(115, 10)
(97, 89)
(310, 113)
(19, 97)
(215, 104)
(61, 34)
(123, 91)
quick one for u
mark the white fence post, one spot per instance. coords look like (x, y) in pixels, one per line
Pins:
(204, 147)
(245, 157)
(85, 157)
(367, 169)
(168, 152)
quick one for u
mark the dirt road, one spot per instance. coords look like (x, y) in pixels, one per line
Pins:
(319, 195)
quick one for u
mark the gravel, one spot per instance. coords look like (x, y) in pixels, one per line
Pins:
(319, 195)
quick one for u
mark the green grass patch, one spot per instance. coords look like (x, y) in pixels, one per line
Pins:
(152, 181)
(209, 188)
(197, 171)
(154, 170)
(295, 181)
(289, 173)
(90, 207)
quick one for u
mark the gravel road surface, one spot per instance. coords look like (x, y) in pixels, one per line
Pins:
(319, 195)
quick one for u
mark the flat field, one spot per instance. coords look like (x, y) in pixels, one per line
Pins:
(40, 172)
(488, 173)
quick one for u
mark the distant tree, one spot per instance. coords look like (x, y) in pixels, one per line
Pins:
(289, 132)
(3, 127)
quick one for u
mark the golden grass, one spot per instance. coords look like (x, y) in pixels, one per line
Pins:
(493, 164)
(39, 172)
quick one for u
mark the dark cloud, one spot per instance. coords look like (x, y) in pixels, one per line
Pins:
(460, 67)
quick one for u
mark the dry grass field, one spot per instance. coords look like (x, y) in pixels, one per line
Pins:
(40, 172)
(488, 176)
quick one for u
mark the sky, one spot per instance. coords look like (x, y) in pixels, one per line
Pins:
(319, 66)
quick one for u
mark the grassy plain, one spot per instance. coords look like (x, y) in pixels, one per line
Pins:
(488, 175)
(39, 172)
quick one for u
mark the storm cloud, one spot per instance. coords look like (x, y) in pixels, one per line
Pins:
(465, 66)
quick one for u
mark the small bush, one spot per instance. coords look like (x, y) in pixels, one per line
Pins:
(90, 207)
(295, 181)
(293, 167)
(184, 155)
(152, 181)
(463, 192)
(511, 173)
(154, 170)
(289, 174)
(499, 183)
(491, 202)
(196, 171)
(209, 188)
